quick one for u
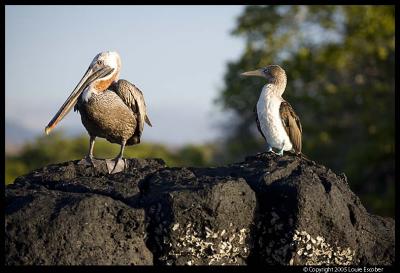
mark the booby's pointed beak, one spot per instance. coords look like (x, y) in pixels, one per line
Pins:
(257, 73)
(89, 77)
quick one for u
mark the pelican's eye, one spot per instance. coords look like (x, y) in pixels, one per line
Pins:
(100, 62)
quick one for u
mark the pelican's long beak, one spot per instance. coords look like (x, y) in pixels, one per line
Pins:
(257, 73)
(89, 77)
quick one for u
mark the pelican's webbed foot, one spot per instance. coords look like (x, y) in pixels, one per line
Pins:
(88, 161)
(115, 165)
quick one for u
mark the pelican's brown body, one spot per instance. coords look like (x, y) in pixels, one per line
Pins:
(107, 115)
(110, 108)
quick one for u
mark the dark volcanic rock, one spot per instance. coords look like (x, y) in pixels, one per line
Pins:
(265, 210)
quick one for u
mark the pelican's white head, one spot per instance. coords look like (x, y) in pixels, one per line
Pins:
(110, 59)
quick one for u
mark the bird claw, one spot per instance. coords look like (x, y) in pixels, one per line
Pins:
(88, 161)
(272, 151)
(116, 165)
(280, 153)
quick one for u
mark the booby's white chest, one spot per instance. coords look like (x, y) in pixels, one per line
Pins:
(270, 119)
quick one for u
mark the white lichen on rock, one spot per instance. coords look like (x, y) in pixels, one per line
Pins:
(316, 251)
(225, 246)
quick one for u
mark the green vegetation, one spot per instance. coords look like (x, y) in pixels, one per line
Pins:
(340, 66)
(57, 148)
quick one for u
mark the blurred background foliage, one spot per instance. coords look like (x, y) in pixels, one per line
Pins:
(340, 66)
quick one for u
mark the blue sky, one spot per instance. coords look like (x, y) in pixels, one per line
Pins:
(176, 55)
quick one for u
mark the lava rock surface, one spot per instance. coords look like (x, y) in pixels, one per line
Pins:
(267, 209)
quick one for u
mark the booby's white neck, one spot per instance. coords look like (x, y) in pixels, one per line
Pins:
(275, 89)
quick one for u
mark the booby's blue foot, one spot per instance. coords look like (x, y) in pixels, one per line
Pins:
(280, 153)
(270, 150)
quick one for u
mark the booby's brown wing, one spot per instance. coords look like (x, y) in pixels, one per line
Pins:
(292, 125)
(257, 121)
(133, 98)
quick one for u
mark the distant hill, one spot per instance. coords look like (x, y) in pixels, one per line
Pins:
(16, 135)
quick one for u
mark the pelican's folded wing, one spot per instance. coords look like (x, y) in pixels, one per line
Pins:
(133, 98)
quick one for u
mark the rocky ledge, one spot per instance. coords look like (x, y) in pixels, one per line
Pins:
(266, 210)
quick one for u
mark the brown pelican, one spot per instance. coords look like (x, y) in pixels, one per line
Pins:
(110, 108)
(275, 117)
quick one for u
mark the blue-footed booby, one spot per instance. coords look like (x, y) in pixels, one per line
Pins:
(275, 117)
(110, 108)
